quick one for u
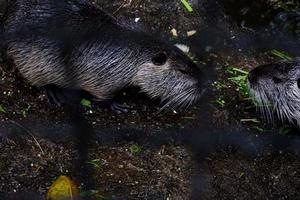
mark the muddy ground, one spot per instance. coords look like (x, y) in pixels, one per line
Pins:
(218, 149)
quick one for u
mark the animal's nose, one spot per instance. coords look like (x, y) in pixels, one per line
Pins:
(252, 78)
(204, 80)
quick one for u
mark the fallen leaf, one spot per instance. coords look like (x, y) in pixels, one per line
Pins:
(63, 189)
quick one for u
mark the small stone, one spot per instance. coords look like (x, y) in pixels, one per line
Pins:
(184, 48)
(174, 32)
(136, 20)
(191, 33)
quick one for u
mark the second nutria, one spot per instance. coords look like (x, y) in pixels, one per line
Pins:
(276, 89)
(72, 44)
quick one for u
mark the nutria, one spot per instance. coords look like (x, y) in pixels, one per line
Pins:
(276, 89)
(72, 44)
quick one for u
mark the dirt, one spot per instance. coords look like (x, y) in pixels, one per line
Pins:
(209, 151)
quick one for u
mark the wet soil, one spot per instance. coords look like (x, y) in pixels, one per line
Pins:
(211, 151)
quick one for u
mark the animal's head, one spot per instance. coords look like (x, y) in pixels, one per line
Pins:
(170, 75)
(276, 88)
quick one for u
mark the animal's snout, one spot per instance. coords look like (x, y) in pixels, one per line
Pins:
(269, 74)
(252, 78)
(264, 73)
(204, 81)
(258, 73)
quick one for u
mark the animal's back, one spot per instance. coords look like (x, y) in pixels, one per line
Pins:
(37, 15)
(48, 39)
(27, 44)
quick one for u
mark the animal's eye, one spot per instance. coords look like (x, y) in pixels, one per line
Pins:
(183, 71)
(298, 83)
(276, 80)
(160, 59)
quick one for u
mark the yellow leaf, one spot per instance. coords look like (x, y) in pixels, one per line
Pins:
(63, 189)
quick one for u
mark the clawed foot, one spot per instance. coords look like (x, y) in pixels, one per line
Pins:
(55, 96)
(115, 106)
(61, 97)
(119, 108)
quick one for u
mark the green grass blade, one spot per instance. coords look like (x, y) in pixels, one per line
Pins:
(281, 54)
(187, 5)
(2, 110)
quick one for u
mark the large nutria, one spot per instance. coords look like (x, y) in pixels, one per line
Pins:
(276, 89)
(73, 44)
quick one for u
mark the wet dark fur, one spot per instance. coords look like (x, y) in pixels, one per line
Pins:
(73, 44)
(276, 89)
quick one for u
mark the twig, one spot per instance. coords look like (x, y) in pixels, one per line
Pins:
(29, 133)
(124, 4)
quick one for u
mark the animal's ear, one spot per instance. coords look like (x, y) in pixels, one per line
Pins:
(160, 59)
